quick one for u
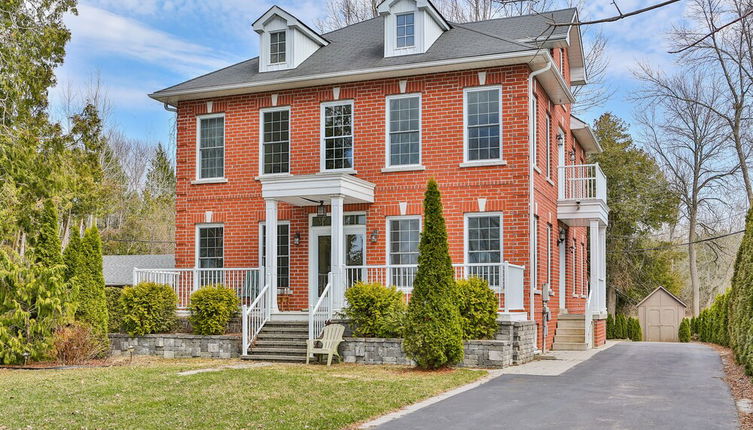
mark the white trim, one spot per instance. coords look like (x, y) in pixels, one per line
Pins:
(548, 141)
(467, 215)
(402, 167)
(261, 140)
(388, 232)
(222, 180)
(467, 90)
(549, 255)
(406, 168)
(322, 144)
(261, 244)
(482, 163)
(281, 64)
(201, 225)
(535, 125)
(198, 177)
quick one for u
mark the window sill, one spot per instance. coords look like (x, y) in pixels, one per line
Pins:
(536, 169)
(336, 171)
(273, 175)
(411, 168)
(209, 181)
(483, 163)
(551, 182)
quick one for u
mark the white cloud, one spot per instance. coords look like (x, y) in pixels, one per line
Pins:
(105, 33)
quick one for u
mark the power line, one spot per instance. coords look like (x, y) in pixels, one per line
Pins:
(138, 240)
(709, 239)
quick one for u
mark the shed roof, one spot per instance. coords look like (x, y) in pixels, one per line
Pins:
(118, 269)
(666, 291)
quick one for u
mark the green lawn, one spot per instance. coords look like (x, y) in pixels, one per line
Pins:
(151, 395)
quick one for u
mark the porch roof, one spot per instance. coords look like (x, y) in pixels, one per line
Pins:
(309, 190)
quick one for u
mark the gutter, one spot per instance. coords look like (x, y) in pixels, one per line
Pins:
(531, 200)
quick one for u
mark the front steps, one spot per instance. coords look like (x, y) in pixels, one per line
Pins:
(571, 333)
(281, 341)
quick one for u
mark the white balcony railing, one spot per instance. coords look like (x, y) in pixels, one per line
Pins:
(582, 182)
(245, 282)
(504, 278)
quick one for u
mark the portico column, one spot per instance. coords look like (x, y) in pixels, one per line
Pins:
(603, 267)
(271, 250)
(595, 260)
(338, 252)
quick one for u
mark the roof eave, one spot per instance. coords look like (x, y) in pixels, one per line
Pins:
(585, 136)
(538, 58)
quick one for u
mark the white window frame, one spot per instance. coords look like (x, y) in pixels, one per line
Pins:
(468, 215)
(223, 178)
(261, 140)
(388, 231)
(535, 155)
(489, 162)
(269, 46)
(549, 230)
(548, 158)
(322, 141)
(262, 225)
(535, 271)
(575, 267)
(197, 229)
(388, 147)
(406, 47)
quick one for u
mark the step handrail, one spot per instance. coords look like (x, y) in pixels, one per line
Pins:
(254, 317)
(322, 311)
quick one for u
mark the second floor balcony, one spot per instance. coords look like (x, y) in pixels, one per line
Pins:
(582, 194)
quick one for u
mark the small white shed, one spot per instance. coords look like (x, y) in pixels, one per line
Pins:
(660, 315)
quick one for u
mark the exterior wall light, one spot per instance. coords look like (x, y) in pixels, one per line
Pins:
(560, 139)
(297, 239)
(321, 210)
(374, 235)
(572, 155)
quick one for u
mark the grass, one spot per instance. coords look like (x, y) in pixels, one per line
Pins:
(149, 394)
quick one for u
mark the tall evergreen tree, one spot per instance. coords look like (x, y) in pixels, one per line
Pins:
(433, 334)
(47, 247)
(72, 255)
(160, 179)
(741, 300)
(92, 301)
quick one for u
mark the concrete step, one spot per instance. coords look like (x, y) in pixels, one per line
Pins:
(580, 331)
(277, 350)
(569, 346)
(277, 358)
(566, 338)
(273, 323)
(281, 343)
(285, 329)
(570, 317)
(291, 336)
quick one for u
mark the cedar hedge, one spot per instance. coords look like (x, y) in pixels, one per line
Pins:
(477, 306)
(375, 310)
(624, 327)
(211, 308)
(148, 308)
(114, 311)
(684, 331)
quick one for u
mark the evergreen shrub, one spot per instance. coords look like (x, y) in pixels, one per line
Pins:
(114, 312)
(148, 308)
(610, 326)
(375, 310)
(477, 305)
(211, 308)
(684, 331)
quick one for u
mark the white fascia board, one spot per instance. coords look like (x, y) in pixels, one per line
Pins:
(585, 136)
(291, 20)
(318, 187)
(554, 84)
(172, 97)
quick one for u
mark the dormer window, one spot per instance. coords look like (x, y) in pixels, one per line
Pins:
(406, 35)
(277, 47)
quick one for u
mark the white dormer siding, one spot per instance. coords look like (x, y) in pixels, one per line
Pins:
(427, 26)
(299, 40)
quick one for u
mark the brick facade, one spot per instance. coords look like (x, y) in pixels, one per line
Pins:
(239, 206)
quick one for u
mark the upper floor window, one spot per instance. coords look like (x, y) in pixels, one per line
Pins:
(548, 157)
(482, 121)
(275, 133)
(277, 47)
(211, 163)
(535, 121)
(404, 130)
(405, 30)
(337, 135)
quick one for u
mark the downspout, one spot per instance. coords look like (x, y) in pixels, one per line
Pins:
(531, 201)
(169, 108)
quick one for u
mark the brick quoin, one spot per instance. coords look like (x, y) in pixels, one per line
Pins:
(239, 206)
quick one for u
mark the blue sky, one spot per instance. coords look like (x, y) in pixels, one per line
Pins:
(135, 47)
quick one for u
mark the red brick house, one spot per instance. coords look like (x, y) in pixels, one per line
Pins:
(302, 170)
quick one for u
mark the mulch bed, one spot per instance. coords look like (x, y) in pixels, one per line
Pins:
(740, 384)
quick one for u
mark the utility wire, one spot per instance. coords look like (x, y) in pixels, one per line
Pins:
(709, 239)
(138, 240)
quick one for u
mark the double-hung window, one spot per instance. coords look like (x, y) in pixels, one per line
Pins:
(483, 124)
(277, 47)
(548, 157)
(535, 122)
(275, 124)
(211, 151)
(484, 247)
(403, 237)
(283, 253)
(210, 253)
(337, 135)
(405, 30)
(404, 130)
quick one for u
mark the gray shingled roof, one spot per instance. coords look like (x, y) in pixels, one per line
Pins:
(361, 46)
(118, 269)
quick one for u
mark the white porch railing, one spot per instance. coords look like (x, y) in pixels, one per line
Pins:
(582, 182)
(246, 282)
(322, 311)
(504, 278)
(589, 320)
(254, 317)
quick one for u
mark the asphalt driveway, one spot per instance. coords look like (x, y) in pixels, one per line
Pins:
(628, 386)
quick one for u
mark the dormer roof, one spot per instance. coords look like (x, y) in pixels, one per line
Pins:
(291, 20)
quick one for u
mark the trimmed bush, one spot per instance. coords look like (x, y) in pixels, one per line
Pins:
(114, 312)
(741, 300)
(92, 302)
(620, 327)
(713, 324)
(634, 330)
(211, 308)
(610, 326)
(76, 343)
(684, 331)
(148, 308)
(477, 305)
(376, 310)
(433, 335)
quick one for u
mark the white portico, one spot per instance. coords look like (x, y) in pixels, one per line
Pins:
(335, 190)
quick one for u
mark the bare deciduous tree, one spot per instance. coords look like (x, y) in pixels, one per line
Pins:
(691, 143)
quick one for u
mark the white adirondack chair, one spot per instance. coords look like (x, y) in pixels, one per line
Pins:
(330, 340)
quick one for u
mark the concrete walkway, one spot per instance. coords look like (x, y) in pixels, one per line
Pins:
(628, 386)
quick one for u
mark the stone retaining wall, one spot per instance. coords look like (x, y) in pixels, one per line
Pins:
(177, 345)
(478, 353)
(522, 337)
